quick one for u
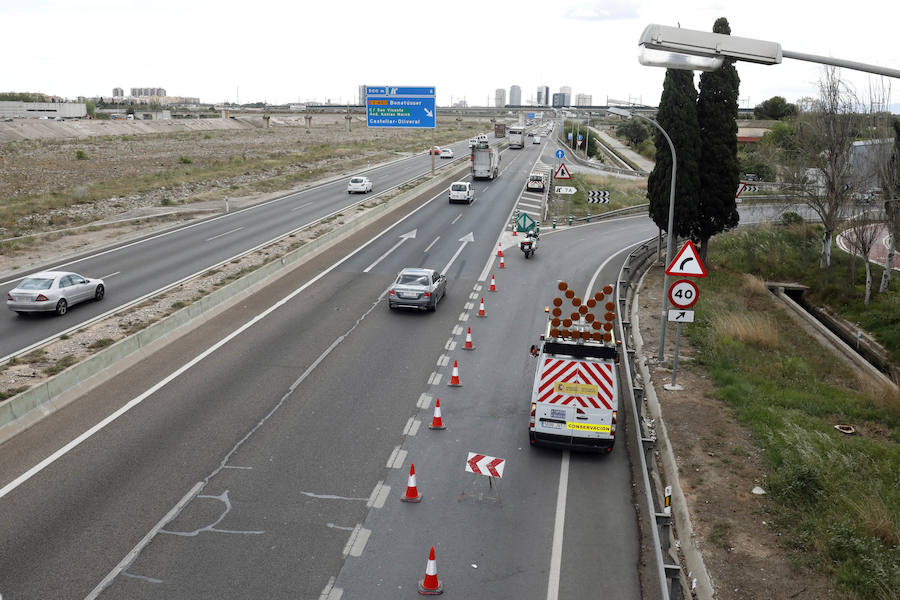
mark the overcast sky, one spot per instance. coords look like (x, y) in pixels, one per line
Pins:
(265, 50)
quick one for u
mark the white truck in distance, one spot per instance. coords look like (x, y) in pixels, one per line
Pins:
(575, 396)
(485, 161)
(516, 135)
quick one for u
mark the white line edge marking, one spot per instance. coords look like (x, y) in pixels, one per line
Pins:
(458, 217)
(432, 243)
(223, 234)
(124, 564)
(104, 277)
(12, 485)
(559, 525)
(301, 206)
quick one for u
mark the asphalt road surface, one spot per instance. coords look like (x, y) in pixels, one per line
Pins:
(265, 454)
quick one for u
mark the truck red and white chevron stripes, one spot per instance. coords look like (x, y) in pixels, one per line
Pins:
(481, 464)
(577, 371)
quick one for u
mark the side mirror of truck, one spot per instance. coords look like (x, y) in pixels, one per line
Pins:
(534, 351)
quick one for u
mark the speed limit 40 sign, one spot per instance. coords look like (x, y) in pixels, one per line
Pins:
(683, 293)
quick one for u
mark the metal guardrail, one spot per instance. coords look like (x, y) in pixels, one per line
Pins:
(658, 522)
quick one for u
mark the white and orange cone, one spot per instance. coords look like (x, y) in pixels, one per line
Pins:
(514, 228)
(499, 249)
(469, 345)
(412, 492)
(502, 266)
(437, 422)
(493, 287)
(454, 378)
(431, 585)
(481, 312)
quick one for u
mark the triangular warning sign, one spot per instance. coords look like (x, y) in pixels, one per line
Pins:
(562, 172)
(687, 262)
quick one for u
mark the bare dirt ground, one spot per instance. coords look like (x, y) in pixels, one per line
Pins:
(719, 464)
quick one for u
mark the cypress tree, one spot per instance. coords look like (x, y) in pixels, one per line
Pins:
(719, 171)
(677, 115)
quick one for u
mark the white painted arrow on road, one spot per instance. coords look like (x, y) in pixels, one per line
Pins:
(403, 238)
(465, 240)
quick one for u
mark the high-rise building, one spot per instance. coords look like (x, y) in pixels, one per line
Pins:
(515, 95)
(361, 98)
(559, 100)
(583, 100)
(500, 98)
(118, 92)
(567, 92)
(543, 95)
(147, 92)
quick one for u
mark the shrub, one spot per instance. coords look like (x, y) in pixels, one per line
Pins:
(81, 155)
(184, 160)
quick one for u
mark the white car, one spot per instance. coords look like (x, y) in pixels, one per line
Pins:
(446, 153)
(472, 142)
(359, 184)
(53, 291)
(462, 191)
(536, 139)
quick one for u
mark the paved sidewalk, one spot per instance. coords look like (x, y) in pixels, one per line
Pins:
(637, 159)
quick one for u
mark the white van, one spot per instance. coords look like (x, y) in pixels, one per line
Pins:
(462, 191)
(536, 139)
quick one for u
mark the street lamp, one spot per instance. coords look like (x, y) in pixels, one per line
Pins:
(670, 241)
(664, 46)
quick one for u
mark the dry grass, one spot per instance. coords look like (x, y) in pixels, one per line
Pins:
(757, 329)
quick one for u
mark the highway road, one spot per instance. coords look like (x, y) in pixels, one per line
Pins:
(137, 269)
(265, 454)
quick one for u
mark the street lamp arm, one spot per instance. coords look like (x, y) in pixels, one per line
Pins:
(839, 62)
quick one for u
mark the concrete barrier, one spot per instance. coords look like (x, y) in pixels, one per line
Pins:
(25, 409)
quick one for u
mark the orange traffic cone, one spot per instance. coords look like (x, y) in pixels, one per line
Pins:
(502, 266)
(454, 378)
(499, 249)
(469, 345)
(481, 312)
(412, 492)
(493, 287)
(431, 585)
(437, 422)
(514, 228)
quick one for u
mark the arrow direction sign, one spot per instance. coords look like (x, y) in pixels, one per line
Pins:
(565, 189)
(598, 196)
(482, 464)
(687, 262)
(406, 236)
(388, 106)
(681, 316)
(465, 240)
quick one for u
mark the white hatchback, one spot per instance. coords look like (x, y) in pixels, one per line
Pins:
(359, 184)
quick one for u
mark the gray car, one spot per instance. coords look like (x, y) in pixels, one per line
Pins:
(53, 291)
(417, 288)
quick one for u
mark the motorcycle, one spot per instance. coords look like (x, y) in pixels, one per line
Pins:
(529, 244)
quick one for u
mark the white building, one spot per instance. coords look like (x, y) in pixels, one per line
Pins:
(583, 100)
(567, 92)
(500, 97)
(515, 95)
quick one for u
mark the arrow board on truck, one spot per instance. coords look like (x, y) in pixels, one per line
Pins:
(562, 172)
(687, 262)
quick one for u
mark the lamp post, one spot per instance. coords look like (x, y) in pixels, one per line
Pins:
(664, 46)
(670, 241)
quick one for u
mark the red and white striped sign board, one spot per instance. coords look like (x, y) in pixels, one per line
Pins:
(576, 382)
(482, 464)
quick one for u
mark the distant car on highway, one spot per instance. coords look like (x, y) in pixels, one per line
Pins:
(446, 153)
(53, 291)
(472, 142)
(436, 150)
(417, 288)
(359, 184)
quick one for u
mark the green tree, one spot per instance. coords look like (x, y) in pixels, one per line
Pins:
(634, 131)
(717, 107)
(89, 107)
(677, 115)
(775, 108)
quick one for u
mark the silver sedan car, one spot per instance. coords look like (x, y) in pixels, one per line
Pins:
(53, 291)
(417, 288)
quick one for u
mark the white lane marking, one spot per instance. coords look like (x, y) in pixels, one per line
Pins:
(458, 217)
(395, 461)
(301, 206)
(451, 346)
(406, 236)
(126, 562)
(378, 495)
(414, 428)
(469, 306)
(357, 541)
(530, 204)
(223, 234)
(329, 592)
(104, 277)
(424, 401)
(448, 344)
(457, 330)
(464, 317)
(152, 390)
(431, 378)
(473, 296)
(443, 360)
(478, 286)
(470, 237)
(590, 286)
(559, 524)
(437, 379)
(432, 244)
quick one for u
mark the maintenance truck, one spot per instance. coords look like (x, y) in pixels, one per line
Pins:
(575, 397)
(485, 161)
